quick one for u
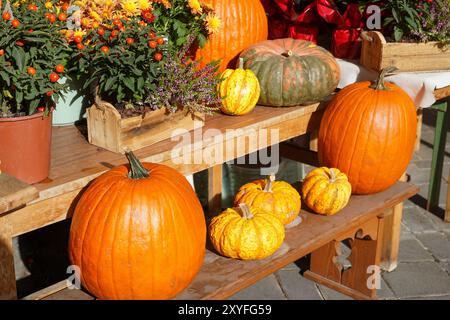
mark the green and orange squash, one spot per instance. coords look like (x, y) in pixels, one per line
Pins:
(292, 72)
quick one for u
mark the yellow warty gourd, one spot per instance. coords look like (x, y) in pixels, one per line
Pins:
(239, 91)
(246, 233)
(326, 191)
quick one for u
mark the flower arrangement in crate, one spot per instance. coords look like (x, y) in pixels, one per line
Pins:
(33, 56)
(417, 30)
(134, 53)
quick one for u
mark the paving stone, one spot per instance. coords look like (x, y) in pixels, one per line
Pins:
(418, 279)
(291, 266)
(412, 250)
(385, 292)
(446, 297)
(418, 176)
(416, 221)
(439, 223)
(330, 294)
(266, 289)
(442, 192)
(424, 153)
(297, 287)
(405, 234)
(437, 243)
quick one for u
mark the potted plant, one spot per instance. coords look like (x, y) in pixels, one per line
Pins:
(33, 54)
(415, 37)
(125, 52)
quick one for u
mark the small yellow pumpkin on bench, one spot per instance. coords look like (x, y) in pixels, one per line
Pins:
(246, 233)
(326, 190)
(276, 197)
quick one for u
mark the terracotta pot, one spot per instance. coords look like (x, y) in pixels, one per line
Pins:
(25, 147)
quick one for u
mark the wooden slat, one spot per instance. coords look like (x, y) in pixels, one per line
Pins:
(44, 293)
(7, 275)
(442, 93)
(14, 193)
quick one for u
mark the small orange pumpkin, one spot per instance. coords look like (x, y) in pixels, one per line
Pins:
(276, 197)
(326, 190)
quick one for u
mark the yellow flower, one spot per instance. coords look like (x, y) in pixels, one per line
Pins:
(144, 5)
(208, 6)
(48, 4)
(131, 7)
(96, 16)
(165, 3)
(195, 6)
(79, 33)
(213, 23)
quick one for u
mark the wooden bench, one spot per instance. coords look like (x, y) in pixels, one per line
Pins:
(361, 222)
(75, 163)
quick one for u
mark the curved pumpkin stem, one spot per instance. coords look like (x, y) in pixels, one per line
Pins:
(287, 54)
(241, 63)
(137, 170)
(245, 211)
(332, 175)
(268, 187)
(379, 84)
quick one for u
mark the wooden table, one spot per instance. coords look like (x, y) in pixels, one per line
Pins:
(75, 163)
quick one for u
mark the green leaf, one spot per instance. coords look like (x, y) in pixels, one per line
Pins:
(109, 83)
(5, 77)
(19, 56)
(398, 34)
(129, 83)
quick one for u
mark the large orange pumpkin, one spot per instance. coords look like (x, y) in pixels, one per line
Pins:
(138, 232)
(244, 22)
(368, 132)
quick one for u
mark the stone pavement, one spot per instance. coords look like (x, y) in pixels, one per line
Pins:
(424, 260)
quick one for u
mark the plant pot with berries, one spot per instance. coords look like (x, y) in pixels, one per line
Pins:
(30, 56)
(136, 60)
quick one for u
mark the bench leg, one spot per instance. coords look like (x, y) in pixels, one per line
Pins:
(391, 240)
(359, 281)
(8, 289)
(419, 128)
(438, 156)
(215, 189)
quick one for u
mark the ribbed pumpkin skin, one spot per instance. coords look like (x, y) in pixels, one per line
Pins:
(326, 190)
(307, 76)
(243, 23)
(369, 135)
(283, 201)
(237, 237)
(239, 91)
(138, 239)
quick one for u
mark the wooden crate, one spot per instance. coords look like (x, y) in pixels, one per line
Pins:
(377, 54)
(107, 129)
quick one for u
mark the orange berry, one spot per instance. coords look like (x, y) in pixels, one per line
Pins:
(59, 68)
(77, 39)
(6, 15)
(65, 6)
(105, 49)
(130, 41)
(152, 44)
(160, 41)
(31, 71)
(158, 56)
(2, 52)
(62, 16)
(54, 77)
(51, 17)
(80, 46)
(15, 23)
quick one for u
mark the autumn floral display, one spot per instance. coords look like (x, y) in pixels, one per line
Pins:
(124, 48)
(33, 56)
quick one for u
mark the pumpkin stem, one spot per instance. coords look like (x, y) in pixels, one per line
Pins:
(245, 211)
(268, 187)
(241, 63)
(379, 84)
(332, 175)
(287, 54)
(137, 170)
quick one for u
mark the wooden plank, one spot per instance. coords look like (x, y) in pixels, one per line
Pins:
(69, 294)
(298, 154)
(14, 193)
(221, 277)
(391, 238)
(42, 294)
(442, 93)
(7, 275)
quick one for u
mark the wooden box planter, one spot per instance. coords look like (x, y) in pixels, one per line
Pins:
(377, 54)
(107, 129)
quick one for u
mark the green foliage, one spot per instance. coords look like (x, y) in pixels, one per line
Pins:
(36, 43)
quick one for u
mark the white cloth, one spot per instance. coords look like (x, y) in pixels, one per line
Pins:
(420, 86)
